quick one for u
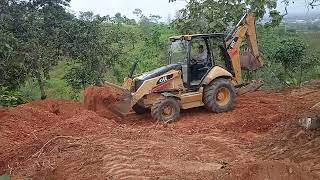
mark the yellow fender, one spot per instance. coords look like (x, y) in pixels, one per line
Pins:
(215, 73)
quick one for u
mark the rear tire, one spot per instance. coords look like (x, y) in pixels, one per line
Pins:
(219, 95)
(166, 110)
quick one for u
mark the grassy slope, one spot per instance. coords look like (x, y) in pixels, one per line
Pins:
(313, 41)
(55, 87)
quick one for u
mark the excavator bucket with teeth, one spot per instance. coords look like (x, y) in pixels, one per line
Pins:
(123, 107)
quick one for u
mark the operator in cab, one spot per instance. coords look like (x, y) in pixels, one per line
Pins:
(198, 62)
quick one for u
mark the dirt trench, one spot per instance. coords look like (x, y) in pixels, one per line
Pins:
(258, 139)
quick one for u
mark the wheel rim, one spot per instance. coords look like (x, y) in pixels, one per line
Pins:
(223, 96)
(167, 111)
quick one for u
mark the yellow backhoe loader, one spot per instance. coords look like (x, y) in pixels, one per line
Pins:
(187, 82)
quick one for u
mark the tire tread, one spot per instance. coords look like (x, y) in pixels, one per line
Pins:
(210, 91)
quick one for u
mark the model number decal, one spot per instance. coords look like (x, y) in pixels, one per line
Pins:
(165, 79)
(233, 42)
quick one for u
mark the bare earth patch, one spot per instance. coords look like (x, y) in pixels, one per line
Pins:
(259, 139)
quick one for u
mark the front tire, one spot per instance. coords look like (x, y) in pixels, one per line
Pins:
(166, 109)
(219, 95)
(139, 108)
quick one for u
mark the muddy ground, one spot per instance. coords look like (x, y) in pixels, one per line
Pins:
(259, 139)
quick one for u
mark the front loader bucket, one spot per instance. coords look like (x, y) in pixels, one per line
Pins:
(123, 107)
(251, 87)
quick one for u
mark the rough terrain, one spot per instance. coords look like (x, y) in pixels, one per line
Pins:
(259, 139)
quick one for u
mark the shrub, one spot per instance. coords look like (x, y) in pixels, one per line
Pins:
(10, 98)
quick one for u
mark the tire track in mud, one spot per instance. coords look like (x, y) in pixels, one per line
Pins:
(128, 159)
(219, 147)
(174, 154)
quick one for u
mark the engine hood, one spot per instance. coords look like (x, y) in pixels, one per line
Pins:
(155, 73)
(158, 72)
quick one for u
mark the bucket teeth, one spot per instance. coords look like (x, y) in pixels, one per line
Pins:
(251, 87)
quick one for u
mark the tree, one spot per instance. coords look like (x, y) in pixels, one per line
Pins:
(216, 16)
(45, 20)
(154, 18)
(314, 3)
(93, 46)
(36, 26)
(311, 3)
(138, 13)
(143, 19)
(12, 72)
(290, 54)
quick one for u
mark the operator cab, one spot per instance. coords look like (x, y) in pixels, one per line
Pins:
(198, 54)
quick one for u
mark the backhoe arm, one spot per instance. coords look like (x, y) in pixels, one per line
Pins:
(252, 38)
(244, 29)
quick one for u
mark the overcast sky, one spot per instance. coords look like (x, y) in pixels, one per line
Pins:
(157, 7)
(126, 7)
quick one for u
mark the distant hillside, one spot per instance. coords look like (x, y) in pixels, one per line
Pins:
(301, 18)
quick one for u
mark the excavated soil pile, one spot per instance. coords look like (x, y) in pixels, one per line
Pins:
(256, 112)
(26, 128)
(63, 108)
(258, 139)
(259, 113)
(100, 98)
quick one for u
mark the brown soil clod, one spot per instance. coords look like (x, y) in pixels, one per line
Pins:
(101, 98)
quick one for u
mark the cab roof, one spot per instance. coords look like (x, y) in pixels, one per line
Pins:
(192, 36)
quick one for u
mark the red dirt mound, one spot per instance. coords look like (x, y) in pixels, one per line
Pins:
(99, 98)
(76, 143)
(19, 127)
(256, 112)
(60, 107)
(84, 123)
(24, 129)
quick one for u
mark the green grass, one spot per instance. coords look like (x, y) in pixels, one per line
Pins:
(312, 39)
(56, 86)
(5, 177)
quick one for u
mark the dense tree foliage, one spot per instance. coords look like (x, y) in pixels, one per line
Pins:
(289, 59)
(217, 16)
(44, 46)
(30, 30)
(38, 34)
(290, 52)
